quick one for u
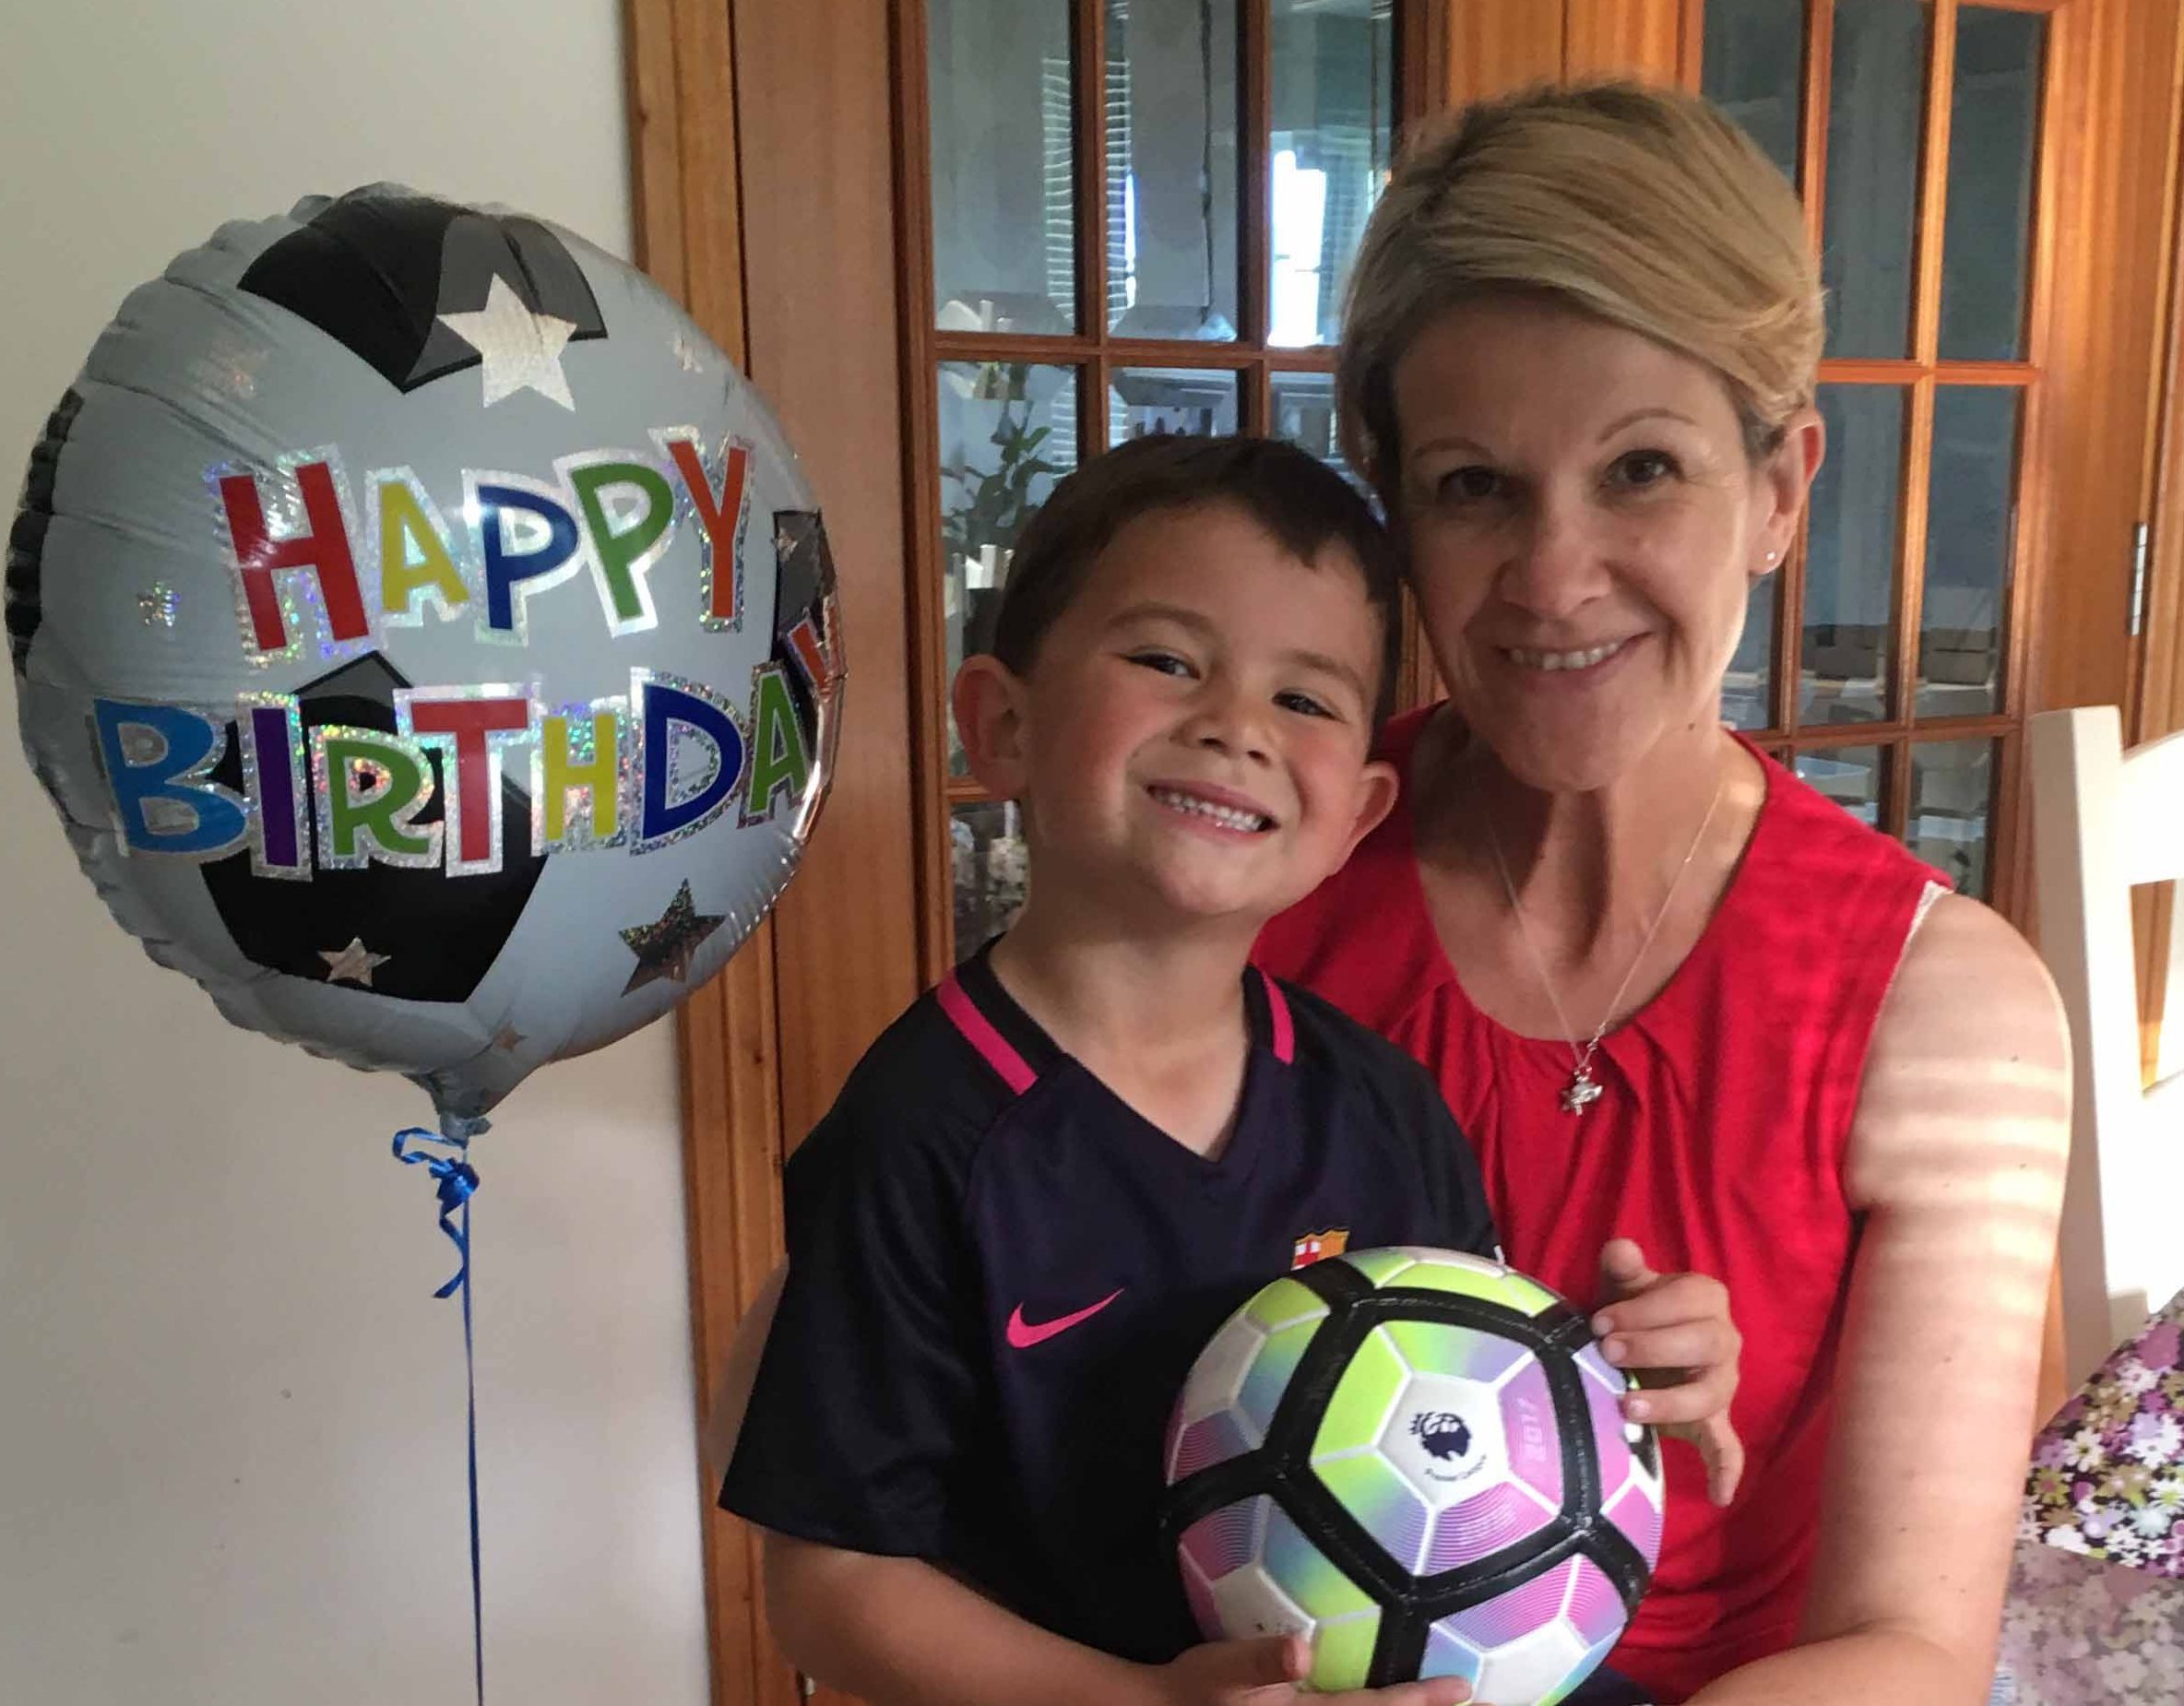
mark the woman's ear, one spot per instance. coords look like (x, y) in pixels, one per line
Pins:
(1788, 476)
(989, 700)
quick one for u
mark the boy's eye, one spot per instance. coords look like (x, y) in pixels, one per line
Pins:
(1474, 484)
(1305, 705)
(1637, 469)
(1166, 663)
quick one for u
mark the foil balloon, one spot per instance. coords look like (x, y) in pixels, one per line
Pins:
(427, 636)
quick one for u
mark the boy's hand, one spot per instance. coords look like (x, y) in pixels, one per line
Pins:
(1266, 1672)
(1672, 1332)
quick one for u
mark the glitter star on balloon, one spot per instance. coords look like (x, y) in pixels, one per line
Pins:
(665, 947)
(519, 349)
(353, 964)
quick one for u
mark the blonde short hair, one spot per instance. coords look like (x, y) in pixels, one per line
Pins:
(1646, 206)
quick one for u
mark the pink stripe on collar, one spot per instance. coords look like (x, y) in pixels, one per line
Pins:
(1278, 1013)
(979, 1031)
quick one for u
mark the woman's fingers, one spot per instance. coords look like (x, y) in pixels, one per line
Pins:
(1679, 1297)
(1623, 1270)
(1688, 1344)
(1705, 1394)
(1723, 1454)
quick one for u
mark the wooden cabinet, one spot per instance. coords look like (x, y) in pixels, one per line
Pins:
(963, 245)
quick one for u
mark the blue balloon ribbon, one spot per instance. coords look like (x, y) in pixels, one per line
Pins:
(458, 1181)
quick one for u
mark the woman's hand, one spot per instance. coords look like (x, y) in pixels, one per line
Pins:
(1672, 1333)
(1266, 1673)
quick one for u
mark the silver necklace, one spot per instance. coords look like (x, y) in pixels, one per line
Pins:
(1582, 1090)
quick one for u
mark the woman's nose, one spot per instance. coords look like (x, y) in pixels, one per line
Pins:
(1554, 564)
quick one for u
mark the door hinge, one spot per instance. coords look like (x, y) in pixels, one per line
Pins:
(2138, 579)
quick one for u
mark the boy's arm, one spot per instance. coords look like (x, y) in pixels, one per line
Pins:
(859, 1395)
(895, 1631)
(724, 1412)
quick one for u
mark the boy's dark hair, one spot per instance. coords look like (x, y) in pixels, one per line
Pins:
(1305, 504)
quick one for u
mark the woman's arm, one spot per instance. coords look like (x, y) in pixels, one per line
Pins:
(1956, 1162)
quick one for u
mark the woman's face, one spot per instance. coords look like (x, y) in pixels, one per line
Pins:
(1585, 523)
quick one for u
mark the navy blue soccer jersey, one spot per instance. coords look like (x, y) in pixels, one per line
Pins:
(999, 1274)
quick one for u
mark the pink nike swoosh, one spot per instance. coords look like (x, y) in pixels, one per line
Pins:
(1023, 1335)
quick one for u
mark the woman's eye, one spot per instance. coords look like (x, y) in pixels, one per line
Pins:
(1166, 663)
(1470, 485)
(1641, 468)
(1304, 704)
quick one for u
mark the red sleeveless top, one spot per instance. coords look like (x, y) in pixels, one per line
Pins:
(1718, 1145)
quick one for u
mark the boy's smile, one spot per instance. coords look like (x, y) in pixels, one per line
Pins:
(1190, 739)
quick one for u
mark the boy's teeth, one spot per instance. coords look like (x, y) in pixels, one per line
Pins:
(1529, 659)
(1228, 817)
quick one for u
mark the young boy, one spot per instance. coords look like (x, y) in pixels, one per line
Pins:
(1053, 1176)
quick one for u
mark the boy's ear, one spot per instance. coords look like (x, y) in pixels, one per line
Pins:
(1378, 784)
(988, 699)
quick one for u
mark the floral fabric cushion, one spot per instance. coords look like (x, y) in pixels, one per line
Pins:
(2080, 1632)
(2096, 1609)
(2108, 1474)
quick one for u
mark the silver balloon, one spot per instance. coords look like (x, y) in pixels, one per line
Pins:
(428, 638)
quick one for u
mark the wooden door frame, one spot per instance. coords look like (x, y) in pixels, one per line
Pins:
(795, 272)
(2155, 704)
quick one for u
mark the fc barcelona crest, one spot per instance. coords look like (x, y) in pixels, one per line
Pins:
(1313, 1246)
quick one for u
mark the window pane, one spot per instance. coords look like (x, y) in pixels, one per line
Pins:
(1171, 111)
(1851, 775)
(1334, 103)
(1008, 431)
(1850, 557)
(1994, 119)
(986, 852)
(1752, 65)
(1744, 695)
(1304, 414)
(1952, 789)
(1003, 198)
(1142, 402)
(1970, 518)
(1874, 100)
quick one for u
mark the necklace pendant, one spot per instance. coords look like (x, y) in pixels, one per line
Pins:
(1582, 1092)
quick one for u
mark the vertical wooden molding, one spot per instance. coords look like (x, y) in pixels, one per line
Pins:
(1642, 39)
(685, 195)
(1494, 47)
(2123, 57)
(927, 614)
(2158, 708)
(823, 289)
(1692, 49)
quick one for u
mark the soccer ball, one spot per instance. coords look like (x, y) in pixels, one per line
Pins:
(1416, 1459)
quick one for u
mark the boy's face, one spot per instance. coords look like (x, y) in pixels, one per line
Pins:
(1192, 737)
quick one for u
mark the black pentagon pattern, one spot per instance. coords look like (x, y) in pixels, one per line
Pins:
(375, 269)
(440, 933)
(26, 537)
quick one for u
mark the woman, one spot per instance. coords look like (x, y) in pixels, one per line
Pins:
(1670, 992)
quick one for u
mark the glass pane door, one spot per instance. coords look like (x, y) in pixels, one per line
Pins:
(1914, 130)
(1142, 217)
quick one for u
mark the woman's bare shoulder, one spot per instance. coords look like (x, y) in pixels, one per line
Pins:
(1970, 1065)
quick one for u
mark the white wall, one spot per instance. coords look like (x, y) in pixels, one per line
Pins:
(231, 1412)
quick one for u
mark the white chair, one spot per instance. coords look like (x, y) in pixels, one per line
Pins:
(2105, 821)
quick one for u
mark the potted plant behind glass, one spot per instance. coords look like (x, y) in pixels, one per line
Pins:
(995, 492)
